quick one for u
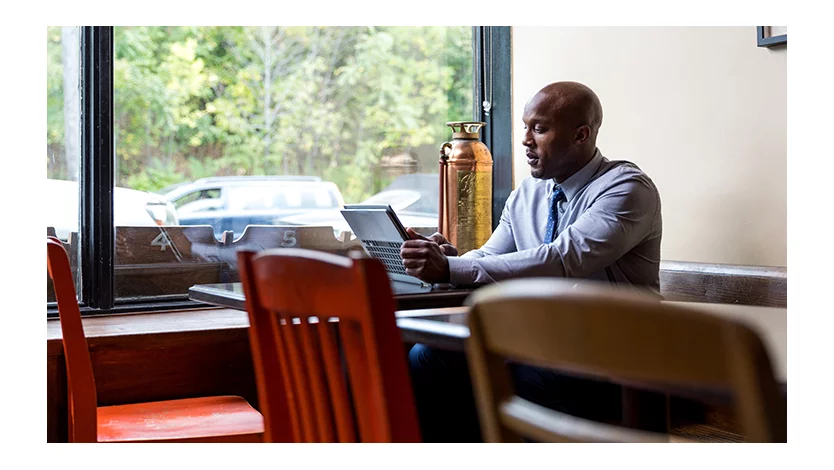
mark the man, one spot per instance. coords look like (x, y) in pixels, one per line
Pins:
(579, 216)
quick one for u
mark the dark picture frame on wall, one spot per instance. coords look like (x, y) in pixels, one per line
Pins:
(770, 36)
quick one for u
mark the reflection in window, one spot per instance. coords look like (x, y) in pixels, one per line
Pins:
(358, 108)
(205, 194)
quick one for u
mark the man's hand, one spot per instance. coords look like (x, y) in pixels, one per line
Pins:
(424, 258)
(447, 248)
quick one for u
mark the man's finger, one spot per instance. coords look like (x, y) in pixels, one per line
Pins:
(411, 253)
(414, 244)
(438, 238)
(449, 250)
(412, 263)
(415, 235)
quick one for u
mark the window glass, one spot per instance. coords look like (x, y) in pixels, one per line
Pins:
(322, 199)
(308, 196)
(63, 141)
(200, 195)
(289, 123)
(244, 198)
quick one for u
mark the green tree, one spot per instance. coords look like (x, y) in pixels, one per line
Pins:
(329, 101)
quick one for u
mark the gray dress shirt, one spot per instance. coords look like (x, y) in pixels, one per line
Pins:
(609, 229)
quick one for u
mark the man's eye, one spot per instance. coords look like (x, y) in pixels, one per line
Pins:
(539, 129)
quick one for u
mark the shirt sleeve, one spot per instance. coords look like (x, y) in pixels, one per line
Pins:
(614, 224)
(500, 242)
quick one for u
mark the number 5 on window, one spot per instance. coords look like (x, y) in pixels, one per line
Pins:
(289, 239)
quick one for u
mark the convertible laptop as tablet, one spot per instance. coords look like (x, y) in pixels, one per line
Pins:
(382, 234)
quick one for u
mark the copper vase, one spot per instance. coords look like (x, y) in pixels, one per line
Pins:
(465, 212)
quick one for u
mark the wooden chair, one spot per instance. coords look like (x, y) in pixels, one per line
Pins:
(294, 298)
(205, 419)
(591, 330)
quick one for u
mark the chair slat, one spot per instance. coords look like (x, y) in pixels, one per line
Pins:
(301, 386)
(365, 401)
(540, 423)
(319, 395)
(337, 386)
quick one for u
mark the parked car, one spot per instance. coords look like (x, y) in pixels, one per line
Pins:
(414, 197)
(234, 202)
(130, 208)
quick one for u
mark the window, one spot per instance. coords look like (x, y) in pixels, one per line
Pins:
(184, 202)
(217, 132)
(63, 138)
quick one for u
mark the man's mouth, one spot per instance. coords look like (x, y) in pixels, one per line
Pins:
(532, 159)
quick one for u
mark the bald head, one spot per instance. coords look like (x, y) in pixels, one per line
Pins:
(561, 121)
(573, 103)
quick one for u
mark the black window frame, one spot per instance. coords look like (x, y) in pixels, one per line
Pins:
(493, 81)
(97, 178)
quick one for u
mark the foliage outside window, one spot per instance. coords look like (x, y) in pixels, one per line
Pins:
(353, 107)
(326, 101)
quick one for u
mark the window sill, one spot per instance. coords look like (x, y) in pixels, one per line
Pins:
(149, 323)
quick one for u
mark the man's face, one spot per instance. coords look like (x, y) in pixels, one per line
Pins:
(549, 141)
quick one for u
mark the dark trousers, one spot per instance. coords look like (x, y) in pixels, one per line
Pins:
(446, 404)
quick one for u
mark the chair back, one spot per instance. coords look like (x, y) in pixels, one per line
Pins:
(589, 329)
(81, 386)
(305, 307)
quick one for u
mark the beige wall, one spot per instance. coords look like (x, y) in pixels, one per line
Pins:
(702, 110)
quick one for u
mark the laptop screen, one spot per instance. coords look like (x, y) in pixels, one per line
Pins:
(382, 234)
(373, 222)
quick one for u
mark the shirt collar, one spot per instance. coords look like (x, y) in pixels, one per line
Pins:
(578, 180)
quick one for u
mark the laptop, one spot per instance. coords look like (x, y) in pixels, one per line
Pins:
(382, 234)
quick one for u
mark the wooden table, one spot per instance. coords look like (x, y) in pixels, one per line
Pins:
(407, 296)
(446, 327)
(443, 323)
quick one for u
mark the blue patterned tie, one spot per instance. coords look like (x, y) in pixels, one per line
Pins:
(553, 216)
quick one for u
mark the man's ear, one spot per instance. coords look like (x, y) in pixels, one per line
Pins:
(583, 133)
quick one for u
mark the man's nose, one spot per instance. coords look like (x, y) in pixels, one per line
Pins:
(527, 140)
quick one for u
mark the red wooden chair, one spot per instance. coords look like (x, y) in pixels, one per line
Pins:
(205, 419)
(306, 395)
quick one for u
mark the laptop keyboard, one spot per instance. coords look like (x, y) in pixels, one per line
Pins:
(388, 253)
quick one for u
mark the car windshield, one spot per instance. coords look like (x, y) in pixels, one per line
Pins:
(194, 199)
(271, 197)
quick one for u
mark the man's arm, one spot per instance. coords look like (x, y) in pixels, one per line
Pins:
(427, 258)
(616, 222)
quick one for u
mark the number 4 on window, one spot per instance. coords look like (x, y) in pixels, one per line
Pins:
(161, 241)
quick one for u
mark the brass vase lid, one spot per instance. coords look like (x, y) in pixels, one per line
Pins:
(466, 129)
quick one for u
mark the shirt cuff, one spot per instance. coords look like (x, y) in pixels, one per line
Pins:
(461, 270)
